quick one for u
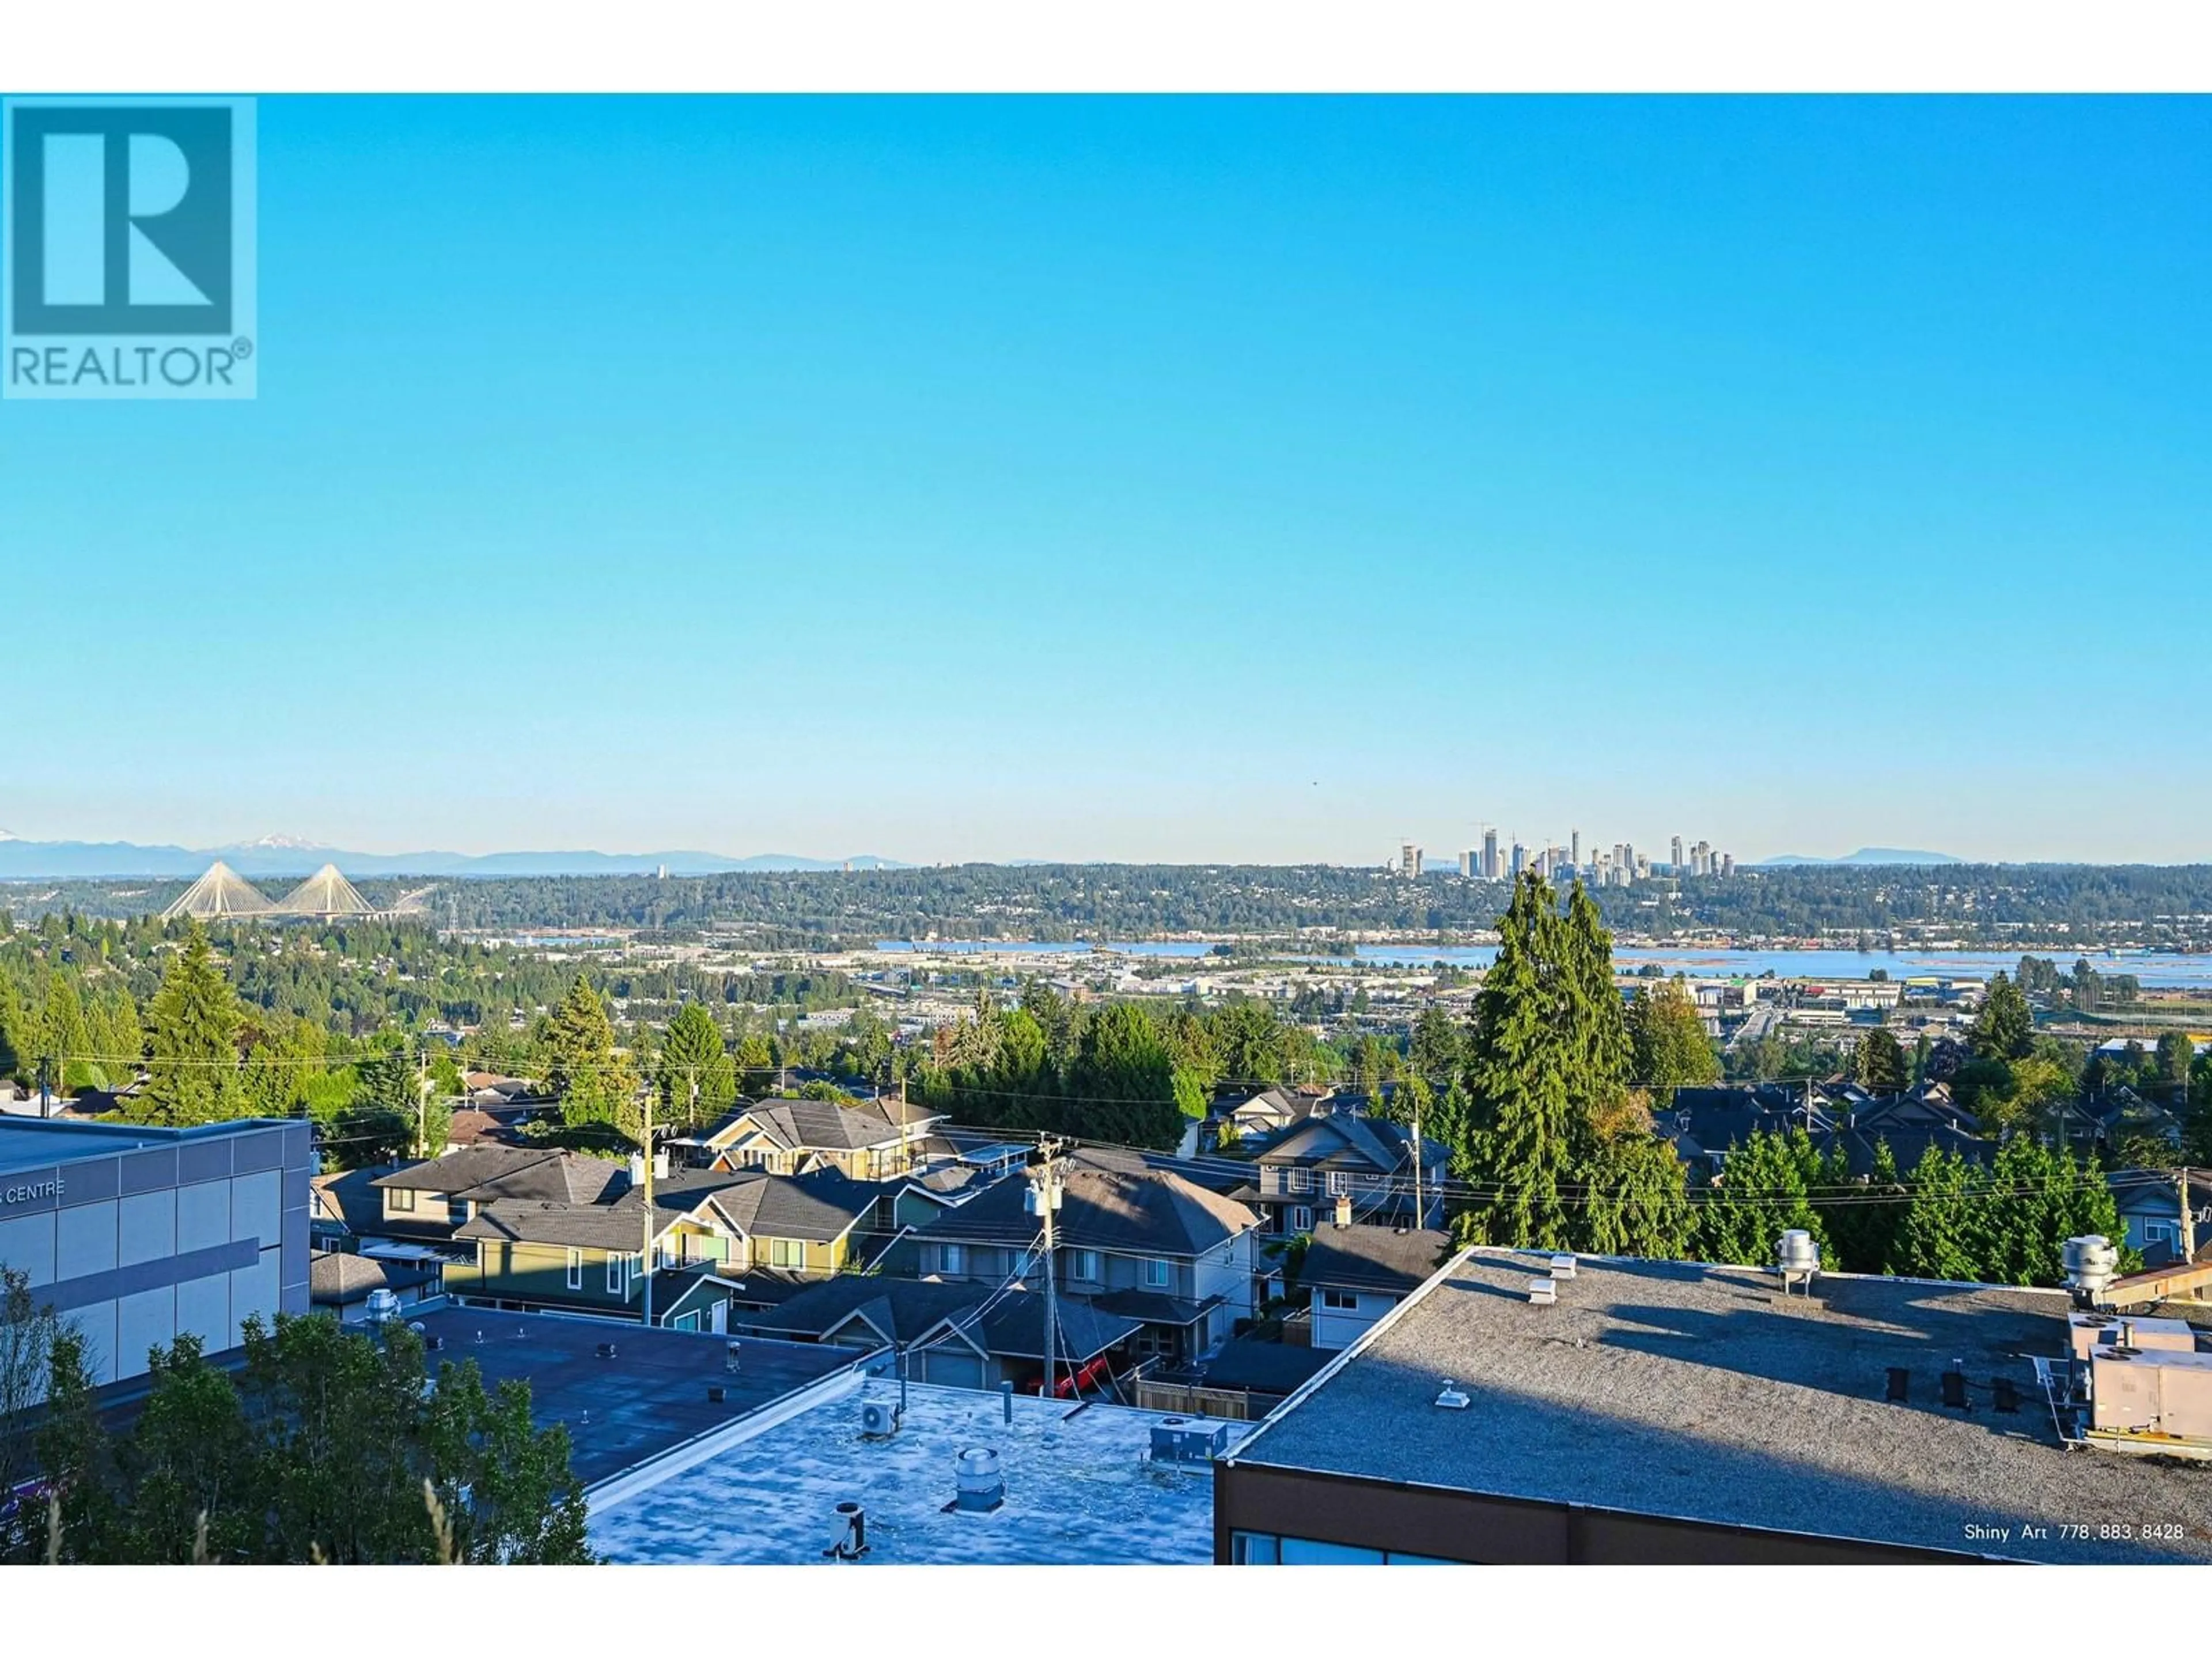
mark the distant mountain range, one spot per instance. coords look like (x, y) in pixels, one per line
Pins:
(289, 856)
(1869, 855)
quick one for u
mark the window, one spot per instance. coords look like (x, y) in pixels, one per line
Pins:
(1254, 1549)
(1301, 1218)
(1343, 1300)
(400, 1199)
(457, 1211)
(952, 1259)
(1338, 1186)
(1082, 1265)
(787, 1253)
(2158, 1232)
(1265, 1549)
(1158, 1273)
(615, 1286)
(688, 1321)
(1298, 1181)
(576, 1269)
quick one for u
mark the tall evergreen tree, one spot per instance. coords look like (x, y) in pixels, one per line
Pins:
(696, 1080)
(1881, 1065)
(196, 1020)
(1522, 1148)
(592, 1084)
(2005, 1028)
(1124, 1081)
(1764, 1190)
(1937, 1237)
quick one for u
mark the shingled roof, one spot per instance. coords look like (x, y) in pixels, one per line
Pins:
(1394, 1260)
(1149, 1213)
(484, 1173)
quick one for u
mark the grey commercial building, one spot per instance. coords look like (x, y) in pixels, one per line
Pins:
(139, 1235)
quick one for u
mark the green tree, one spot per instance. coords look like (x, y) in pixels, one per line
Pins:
(1939, 1237)
(65, 1038)
(1248, 1041)
(1862, 1216)
(1522, 1146)
(1668, 1036)
(696, 1081)
(193, 1075)
(591, 1084)
(2005, 1028)
(2171, 1061)
(1764, 1189)
(1635, 1201)
(1601, 1056)
(1881, 1065)
(1124, 1081)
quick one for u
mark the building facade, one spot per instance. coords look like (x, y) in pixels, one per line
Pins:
(137, 1236)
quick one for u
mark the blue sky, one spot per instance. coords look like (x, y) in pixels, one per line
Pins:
(1154, 478)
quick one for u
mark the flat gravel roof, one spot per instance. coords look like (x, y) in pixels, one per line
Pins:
(1702, 1393)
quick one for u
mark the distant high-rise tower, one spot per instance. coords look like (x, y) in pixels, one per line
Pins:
(1409, 860)
(1520, 860)
(1575, 849)
(1676, 859)
(1491, 870)
(1470, 863)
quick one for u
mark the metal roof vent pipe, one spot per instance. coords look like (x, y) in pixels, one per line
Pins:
(2090, 1264)
(979, 1487)
(854, 1544)
(1797, 1258)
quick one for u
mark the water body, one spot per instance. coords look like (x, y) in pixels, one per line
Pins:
(2161, 969)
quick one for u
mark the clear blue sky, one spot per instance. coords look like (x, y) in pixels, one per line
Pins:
(1210, 479)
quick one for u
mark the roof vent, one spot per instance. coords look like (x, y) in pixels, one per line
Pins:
(606, 1351)
(1563, 1266)
(1797, 1258)
(2090, 1264)
(1450, 1398)
(1543, 1291)
(979, 1485)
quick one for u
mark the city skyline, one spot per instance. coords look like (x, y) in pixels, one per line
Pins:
(1154, 480)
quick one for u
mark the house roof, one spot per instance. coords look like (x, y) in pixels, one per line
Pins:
(1703, 1394)
(1153, 1213)
(1394, 1260)
(1341, 1140)
(1245, 1362)
(794, 1125)
(820, 1207)
(897, 1310)
(335, 1278)
(1216, 1175)
(484, 1173)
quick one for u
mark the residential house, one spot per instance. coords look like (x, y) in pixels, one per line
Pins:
(1150, 1246)
(1238, 1115)
(2151, 1214)
(963, 1334)
(718, 1238)
(1355, 1273)
(340, 1284)
(432, 1200)
(1303, 1171)
(873, 1140)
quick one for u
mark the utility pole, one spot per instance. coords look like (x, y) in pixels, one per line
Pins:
(1045, 1183)
(1421, 1213)
(2188, 1219)
(645, 1291)
(423, 1103)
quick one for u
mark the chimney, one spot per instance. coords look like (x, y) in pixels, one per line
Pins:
(1344, 1211)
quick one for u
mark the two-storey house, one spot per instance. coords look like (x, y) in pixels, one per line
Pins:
(1303, 1171)
(1354, 1274)
(1149, 1246)
(717, 1237)
(872, 1140)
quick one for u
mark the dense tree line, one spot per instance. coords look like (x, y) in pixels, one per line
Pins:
(1978, 905)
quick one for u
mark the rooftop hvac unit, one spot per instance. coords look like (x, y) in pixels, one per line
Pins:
(1563, 1266)
(877, 1420)
(383, 1305)
(1180, 1440)
(1543, 1291)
